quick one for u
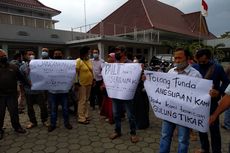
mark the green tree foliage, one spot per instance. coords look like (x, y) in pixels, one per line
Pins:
(226, 35)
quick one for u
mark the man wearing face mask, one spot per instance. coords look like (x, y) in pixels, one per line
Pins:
(181, 58)
(118, 104)
(56, 96)
(97, 68)
(215, 72)
(33, 96)
(10, 74)
(45, 53)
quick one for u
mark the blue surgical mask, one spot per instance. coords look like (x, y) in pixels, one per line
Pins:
(95, 55)
(45, 55)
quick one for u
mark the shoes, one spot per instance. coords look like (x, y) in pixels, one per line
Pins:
(1, 134)
(31, 125)
(134, 139)
(20, 130)
(114, 135)
(51, 128)
(46, 124)
(84, 122)
(68, 126)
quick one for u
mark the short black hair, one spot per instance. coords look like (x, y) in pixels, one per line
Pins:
(186, 52)
(203, 51)
(16, 56)
(121, 48)
(84, 50)
(98, 51)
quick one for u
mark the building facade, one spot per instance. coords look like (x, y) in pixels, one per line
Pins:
(139, 25)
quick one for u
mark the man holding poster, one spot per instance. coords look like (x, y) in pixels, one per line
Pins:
(120, 99)
(182, 67)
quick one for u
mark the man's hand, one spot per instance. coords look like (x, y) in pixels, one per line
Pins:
(214, 93)
(143, 77)
(212, 119)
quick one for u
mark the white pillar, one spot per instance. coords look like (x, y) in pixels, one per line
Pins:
(101, 48)
(5, 48)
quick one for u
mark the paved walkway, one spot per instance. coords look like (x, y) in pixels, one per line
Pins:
(91, 138)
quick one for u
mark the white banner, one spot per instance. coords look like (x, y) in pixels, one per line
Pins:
(52, 74)
(179, 99)
(121, 79)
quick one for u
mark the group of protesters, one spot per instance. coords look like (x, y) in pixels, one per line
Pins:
(15, 86)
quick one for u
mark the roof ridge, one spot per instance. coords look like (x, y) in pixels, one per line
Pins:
(146, 13)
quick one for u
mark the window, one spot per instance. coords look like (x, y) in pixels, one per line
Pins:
(29, 22)
(4, 19)
(48, 24)
(39, 23)
(17, 20)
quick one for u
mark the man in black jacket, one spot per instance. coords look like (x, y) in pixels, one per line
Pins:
(8, 93)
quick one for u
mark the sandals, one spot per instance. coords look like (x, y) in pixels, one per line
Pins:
(134, 139)
(30, 126)
(114, 135)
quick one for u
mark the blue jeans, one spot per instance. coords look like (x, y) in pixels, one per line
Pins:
(167, 134)
(227, 119)
(118, 109)
(63, 99)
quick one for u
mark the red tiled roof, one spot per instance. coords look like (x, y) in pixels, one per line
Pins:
(34, 4)
(147, 14)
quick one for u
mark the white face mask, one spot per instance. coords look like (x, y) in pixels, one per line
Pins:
(32, 57)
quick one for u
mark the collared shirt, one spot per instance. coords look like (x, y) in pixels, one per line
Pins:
(25, 71)
(189, 71)
(97, 68)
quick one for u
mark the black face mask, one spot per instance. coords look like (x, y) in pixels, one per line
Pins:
(3, 60)
(203, 66)
(118, 56)
(57, 57)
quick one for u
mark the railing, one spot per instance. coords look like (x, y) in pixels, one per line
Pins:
(116, 30)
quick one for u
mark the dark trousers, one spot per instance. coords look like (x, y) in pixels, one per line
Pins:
(215, 134)
(54, 100)
(117, 112)
(96, 94)
(11, 103)
(39, 99)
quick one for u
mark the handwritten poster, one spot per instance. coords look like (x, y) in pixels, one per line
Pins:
(52, 74)
(121, 79)
(179, 99)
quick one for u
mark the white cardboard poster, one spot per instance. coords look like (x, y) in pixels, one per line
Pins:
(180, 99)
(52, 74)
(121, 79)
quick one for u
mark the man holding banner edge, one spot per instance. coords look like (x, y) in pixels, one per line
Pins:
(182, 67)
